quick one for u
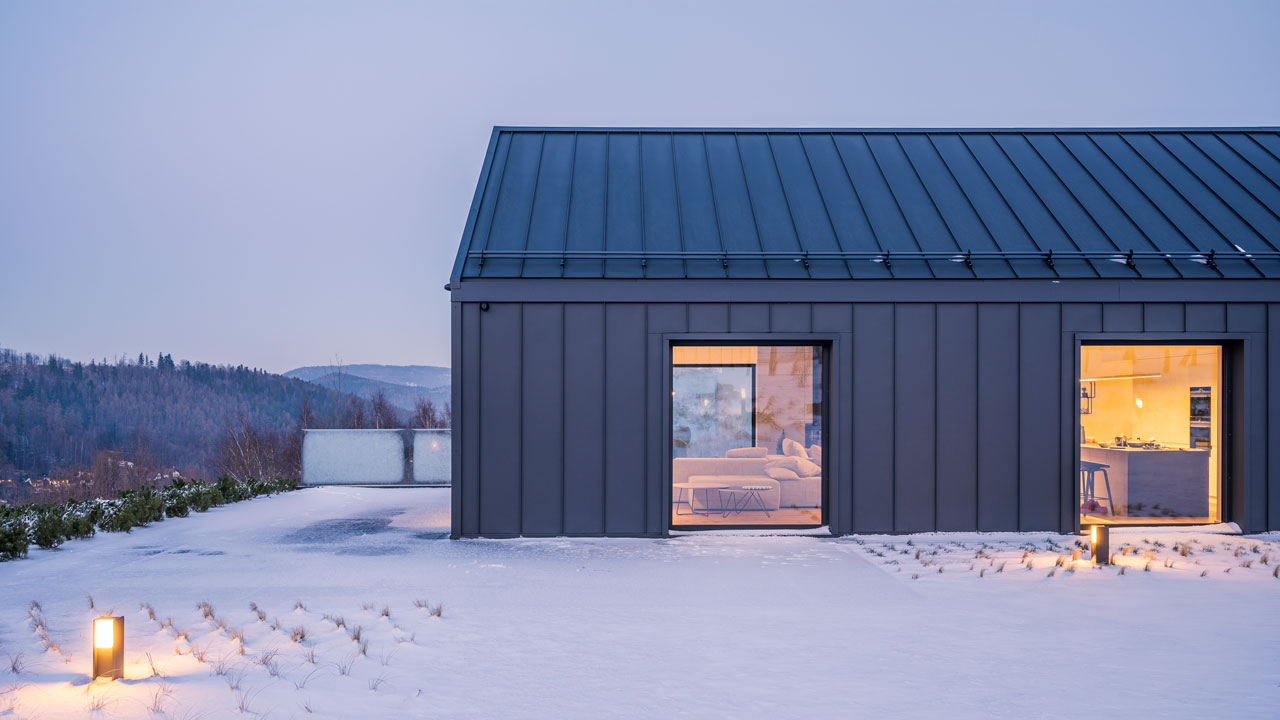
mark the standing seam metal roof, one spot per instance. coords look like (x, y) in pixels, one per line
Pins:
(841, 204)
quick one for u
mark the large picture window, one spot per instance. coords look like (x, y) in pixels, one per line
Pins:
(1150, 433)
(746, 435)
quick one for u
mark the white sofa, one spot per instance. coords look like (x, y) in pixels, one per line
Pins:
(803, 493)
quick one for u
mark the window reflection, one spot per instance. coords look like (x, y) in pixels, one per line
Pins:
(1150, 419)
(746, 435)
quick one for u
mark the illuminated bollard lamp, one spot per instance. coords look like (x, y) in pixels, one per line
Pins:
(1100, 544)
(108, 647)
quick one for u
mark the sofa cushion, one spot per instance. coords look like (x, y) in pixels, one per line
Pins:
(746, 452)
(798, 465)
(781, 473)
(791, 447)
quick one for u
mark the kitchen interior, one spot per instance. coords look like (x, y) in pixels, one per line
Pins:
(1150, 428)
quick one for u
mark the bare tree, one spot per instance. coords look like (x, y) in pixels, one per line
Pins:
(245, 452)
(383, 415)
(425, 414)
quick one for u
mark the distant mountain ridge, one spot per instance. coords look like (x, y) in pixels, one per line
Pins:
(428, 376)
(403, 385)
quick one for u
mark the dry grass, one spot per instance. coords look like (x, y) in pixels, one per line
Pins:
(158, 699)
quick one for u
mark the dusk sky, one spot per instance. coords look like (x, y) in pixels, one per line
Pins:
(285, 183)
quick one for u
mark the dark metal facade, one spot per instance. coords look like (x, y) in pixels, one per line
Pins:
(952, 384)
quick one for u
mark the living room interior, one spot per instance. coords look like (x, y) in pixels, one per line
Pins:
(746, 435)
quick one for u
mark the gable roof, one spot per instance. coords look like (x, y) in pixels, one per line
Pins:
(841, 204)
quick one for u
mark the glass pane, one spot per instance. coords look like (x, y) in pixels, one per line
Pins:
(746, 435)
(1150, 429)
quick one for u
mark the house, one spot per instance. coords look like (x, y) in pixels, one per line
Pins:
(868, 330)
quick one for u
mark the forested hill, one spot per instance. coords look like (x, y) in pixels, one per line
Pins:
(56, 414)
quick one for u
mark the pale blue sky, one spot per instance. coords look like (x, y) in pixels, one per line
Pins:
(280, 183)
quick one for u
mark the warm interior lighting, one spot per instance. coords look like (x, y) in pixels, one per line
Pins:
(104, 633)
(1121, 377)
(1137, 401)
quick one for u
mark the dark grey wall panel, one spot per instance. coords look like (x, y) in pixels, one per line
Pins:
(668, 317)
(584, 419)
(542, 412)
(790, 317)
(748, 317)
(625, 389)
(468, 480)
(997, 417)
(1206, 317)
(1163, 317)
(832, 317)
(1246, 317)
(1273, 418)
(1082, 317)
(873, 373)
(1122, 317)
(957, 435)
(708, 317)
(915, 355)
(948, 416)
(500, 419)
(1038, 397)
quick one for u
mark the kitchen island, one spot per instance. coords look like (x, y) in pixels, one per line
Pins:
(1153, 483)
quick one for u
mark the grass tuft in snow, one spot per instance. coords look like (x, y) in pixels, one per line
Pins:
(159, 698)
(98, 703)
(377, 682)
(243, 700)
(155, 672)
(300, 606)
(344, 666)
(17, 663)
(355, 633)
(385, 612)
(298, 634)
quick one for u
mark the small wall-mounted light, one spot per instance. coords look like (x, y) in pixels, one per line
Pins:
(1138, 402)
(108, 647)
(1100, 544)
(484, 307)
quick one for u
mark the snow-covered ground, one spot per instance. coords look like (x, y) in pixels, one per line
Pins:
(703, 626)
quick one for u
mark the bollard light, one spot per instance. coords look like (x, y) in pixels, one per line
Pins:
(108, 647)
(1100, 544)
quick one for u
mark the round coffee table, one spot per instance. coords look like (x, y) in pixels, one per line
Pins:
(693, 487)
(747, 493)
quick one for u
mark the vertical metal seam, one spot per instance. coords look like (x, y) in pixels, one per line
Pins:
(497, 200)
(897, 204)
(1018, 447)
(1145, 195)
(715, 205)
(844, 165)
(974, 208)
(933, 202)
(746, 185)
(825, 209)
(893, 476)
(777, 172)
(520, 414)
(934, 306)
(644, 266)
(604, 418)
(1212, 227)
(604, 233)
(1080, 203)
(1264, 148)
(977, 416)
(568, 211)
(533, 202)
(644, 402)
(1210, 188)
(1040, 199)
(1233, 176)
(675, 179)
(1008, 205)
(564, 470)
(1249, 162)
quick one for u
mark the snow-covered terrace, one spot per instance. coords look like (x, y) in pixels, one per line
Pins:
(705, 626)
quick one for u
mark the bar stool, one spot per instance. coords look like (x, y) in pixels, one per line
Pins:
(1088, 493)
